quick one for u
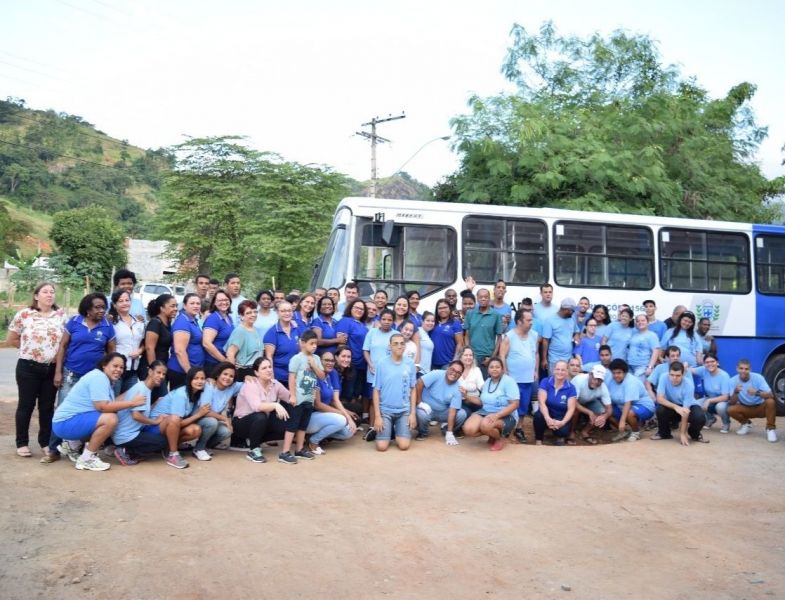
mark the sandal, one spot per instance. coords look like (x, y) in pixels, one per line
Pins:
(571, 442)
(24, 452)
(701, 439)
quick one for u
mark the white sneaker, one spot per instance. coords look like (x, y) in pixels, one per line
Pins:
(202, 455)
(725, 428)
(634, 436)
(67, 450)
(744, 429)
(91, 464)
(771, 435)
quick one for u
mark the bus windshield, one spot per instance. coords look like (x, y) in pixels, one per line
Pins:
(331, 272)
(399, 258)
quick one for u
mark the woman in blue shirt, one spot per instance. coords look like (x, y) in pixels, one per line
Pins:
(447, 335)
(324, 325)
(682, 335)
(557, 400)
(218, 326)
(187, 349)
(716, 391)
(305, 311)
(497, 417)
(353, 325)
(618, 334)
(329, 418)
(282, 342)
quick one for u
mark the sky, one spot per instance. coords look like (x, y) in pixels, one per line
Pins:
(300, 78)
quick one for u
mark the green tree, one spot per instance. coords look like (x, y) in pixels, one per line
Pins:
(227, 207)
(91, 243)
(600, 124)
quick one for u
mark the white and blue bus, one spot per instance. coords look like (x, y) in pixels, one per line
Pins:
(732, 273)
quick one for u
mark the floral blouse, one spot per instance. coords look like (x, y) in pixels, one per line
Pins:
(39, 336)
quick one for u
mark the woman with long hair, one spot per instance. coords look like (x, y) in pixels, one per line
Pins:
(218, 326)
(447, 335)
(161, 311)
(36, 331)
(324, 325)
(682, 335)
(129, 332)
(497, 416)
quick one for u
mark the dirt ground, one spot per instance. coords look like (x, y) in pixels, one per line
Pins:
(627, 520)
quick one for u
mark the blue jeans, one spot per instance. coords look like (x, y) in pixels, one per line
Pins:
(69, 380)
(213, 432)
(399, 423)
(721, 409)
(327, 424)
(424, 419)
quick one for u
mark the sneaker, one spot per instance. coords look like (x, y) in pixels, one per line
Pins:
(771, 435)
(121, 454)
(176, 460)
(744, 429)
(634, 436)
(725, 428)
(91, 464)
(621, 435)
(710, 420)
(305, 454)
(317, 450)
(369, 435)
(202, 455)
(65, 449)
(519, 435)
(420, 437)
(255, 455)
(287, 458)
(108, 450)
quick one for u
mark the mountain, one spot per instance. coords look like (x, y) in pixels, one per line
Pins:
(401, 186)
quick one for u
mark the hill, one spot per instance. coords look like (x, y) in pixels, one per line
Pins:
(401, 186)
(52, 161)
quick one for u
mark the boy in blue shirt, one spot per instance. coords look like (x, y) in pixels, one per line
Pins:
(305, 370)
(394, 397)
(751, 397)
(676, 400)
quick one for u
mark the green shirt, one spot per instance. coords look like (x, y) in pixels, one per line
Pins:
(248, 344)
(483, 329)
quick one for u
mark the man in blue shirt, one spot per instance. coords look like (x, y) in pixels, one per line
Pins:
(557, 335)
(676, 400)
(751, 397)
(394, 398)
(545, 309)
(439, 399)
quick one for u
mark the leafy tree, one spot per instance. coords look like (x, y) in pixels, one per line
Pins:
(227, 207)
(91, 242)
(600, 124)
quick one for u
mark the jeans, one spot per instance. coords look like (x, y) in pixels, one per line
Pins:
(327, 424)
(69, 380)
(721, 409)
(540, 426)
(146, 442)
(259, 427)
(424, 419)
(36, 385)
(213, 432)
(665, 416)
(394, 423)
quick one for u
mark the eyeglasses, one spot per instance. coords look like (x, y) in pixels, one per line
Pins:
(98, 306)
(328, 360)
(455, 371)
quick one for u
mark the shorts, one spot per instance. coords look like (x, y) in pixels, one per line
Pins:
(299, 416)
(643, 413)
(508, 423)
(399, 423)
(78, 427)
(156, 429)
(596, 406)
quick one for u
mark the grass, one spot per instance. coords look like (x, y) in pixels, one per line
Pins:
(40, 225)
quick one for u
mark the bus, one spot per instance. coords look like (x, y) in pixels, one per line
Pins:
(731, 273)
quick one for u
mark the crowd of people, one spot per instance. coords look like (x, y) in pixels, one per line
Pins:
(219, 370)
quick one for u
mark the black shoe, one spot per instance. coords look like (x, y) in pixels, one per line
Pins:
(420, 437)
(459, 434)
(520, 436)
(369, 435)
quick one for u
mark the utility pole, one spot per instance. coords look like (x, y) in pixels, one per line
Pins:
(376, 139)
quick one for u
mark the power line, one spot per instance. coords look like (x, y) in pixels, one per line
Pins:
(40, 148)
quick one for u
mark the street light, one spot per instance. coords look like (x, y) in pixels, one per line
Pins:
(408, 160)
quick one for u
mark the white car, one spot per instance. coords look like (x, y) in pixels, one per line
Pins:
(147, 290)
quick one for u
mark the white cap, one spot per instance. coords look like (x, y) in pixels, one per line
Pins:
(598, 371)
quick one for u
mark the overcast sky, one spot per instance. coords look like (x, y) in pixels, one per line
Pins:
(299, 78)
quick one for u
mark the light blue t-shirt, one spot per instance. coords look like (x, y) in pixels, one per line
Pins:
(689, 347)
(619, 339)
(377, 344)
(248, 344)
(682, 394)
(521, 357)
(395, 381)
(496, 397)
(174, 403)
(218, 399)
(756, 381)
(629, 390)
(426, 351)
(662, 369)
(560, 333)
(438, 393)
(128, 427)
(92, 387)
(305, 380)
(641, 347)
(543, 313)
(264, 322)
(587, 394)
(714, 385)
(658, 328)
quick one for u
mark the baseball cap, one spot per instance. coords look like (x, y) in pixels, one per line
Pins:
(568, 303)
(598, 371)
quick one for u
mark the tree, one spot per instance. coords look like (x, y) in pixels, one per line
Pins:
(91, 243)
(226, 207)
(600, 124)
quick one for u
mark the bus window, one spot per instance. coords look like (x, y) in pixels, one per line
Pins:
(604, 256)
(770, 264)
(415, 257)
(699, 261)
(514, 250)
(332, 271)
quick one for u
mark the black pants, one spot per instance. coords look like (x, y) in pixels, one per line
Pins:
(666, 416)
(146, 442)
(36, 385)
(540, 427)
(259, 427)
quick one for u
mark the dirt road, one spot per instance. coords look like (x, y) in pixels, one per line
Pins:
(629, 520)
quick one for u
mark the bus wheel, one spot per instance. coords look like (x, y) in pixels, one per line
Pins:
(775, 376)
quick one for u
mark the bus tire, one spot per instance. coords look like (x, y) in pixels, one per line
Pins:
(774, 373)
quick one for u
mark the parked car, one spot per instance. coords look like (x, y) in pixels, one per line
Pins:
(147, 290)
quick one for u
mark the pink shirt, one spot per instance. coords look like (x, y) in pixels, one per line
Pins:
(252, 395)
(39, 336)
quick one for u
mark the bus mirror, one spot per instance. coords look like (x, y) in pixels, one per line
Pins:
(387, 232)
